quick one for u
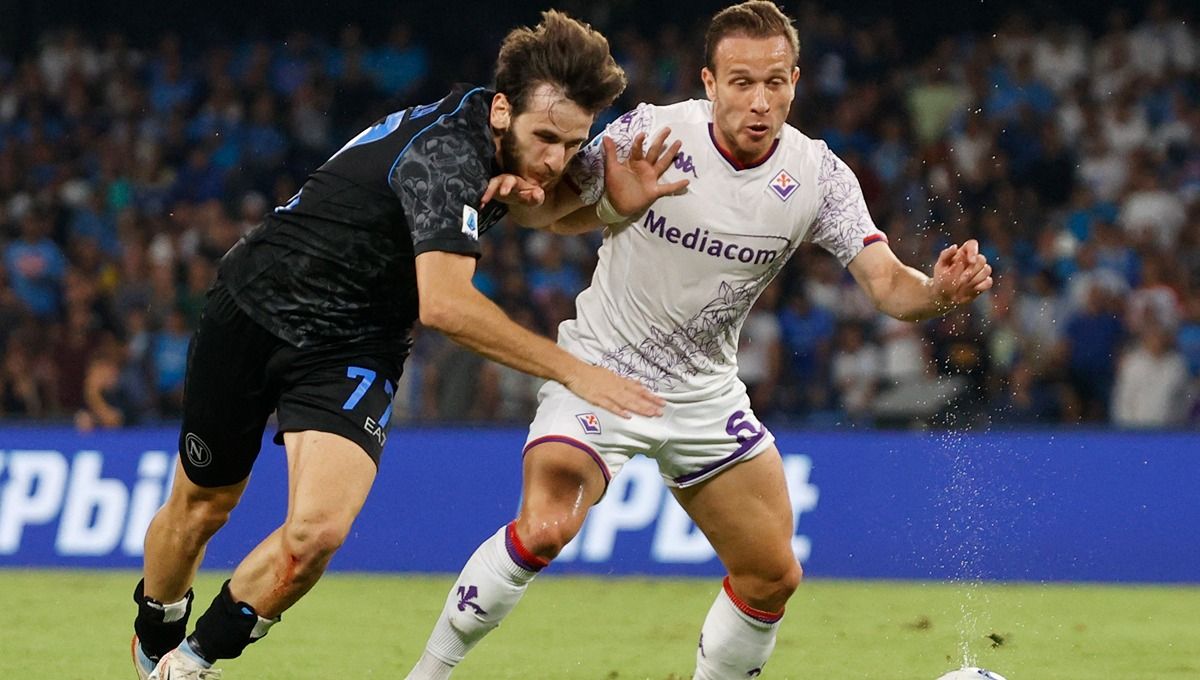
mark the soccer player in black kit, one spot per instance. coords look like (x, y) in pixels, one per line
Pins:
(311, 316)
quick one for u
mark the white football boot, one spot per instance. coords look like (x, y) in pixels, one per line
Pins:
(179, 665)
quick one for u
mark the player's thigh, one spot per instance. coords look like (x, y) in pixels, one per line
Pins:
(574, 447)
(227, 396)
(746, 515)
(329, 478)
(334, 413)
(560, 480)
(202, 503)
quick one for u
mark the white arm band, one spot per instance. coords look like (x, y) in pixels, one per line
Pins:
(607, 213)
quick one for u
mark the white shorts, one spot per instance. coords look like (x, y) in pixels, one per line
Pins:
(692, 441)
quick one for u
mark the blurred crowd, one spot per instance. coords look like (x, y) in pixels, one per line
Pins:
(1073, 155)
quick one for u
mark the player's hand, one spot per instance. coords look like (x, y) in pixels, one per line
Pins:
(513, 190)
(611, 392)
(633, 185)
(960, 275)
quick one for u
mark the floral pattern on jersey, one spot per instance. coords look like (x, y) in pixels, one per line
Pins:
(668, 358)
(842, 221)
(587, 168)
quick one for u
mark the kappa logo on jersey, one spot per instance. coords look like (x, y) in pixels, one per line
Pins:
(783, 185)
(470, 225)
(590, 422)
(196, 450)
(684, 164)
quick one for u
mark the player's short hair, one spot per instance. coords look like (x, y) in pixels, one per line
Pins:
(752, 19)
(565, 53)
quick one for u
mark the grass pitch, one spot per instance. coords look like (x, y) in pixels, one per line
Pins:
(77, 624)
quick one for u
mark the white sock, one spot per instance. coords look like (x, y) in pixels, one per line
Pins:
(490, 585)
(736, 639)
(430, 668)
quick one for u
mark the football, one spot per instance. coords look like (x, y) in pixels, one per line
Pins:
(972, 673)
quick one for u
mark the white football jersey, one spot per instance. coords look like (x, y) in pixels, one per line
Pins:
(674, 285)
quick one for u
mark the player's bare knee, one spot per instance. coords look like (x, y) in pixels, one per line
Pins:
(770, 588)
(546, 536)
(200, 515)
(779, 585)
(311, 543)
(789, 581)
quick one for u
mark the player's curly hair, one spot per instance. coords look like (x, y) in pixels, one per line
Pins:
(565, 53)
(753, 19)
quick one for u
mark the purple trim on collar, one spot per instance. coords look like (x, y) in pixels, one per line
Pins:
(735, 163)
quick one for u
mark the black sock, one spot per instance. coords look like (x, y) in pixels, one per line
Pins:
(156, 635)
(226, 627)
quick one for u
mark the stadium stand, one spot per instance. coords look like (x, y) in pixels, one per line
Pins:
(1071, 151)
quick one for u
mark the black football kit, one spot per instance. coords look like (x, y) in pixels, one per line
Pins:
(312, 312)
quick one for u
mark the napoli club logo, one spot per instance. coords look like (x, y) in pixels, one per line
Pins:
(783, 185)
(196, 450)
(590, 422)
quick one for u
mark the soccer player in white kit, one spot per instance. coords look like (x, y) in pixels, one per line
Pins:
(674, 283)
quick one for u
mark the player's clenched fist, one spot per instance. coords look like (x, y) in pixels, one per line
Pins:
(961, 274)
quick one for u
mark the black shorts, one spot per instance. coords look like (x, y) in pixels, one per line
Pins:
(238, 373)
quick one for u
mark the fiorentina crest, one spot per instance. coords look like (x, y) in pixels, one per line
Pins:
(783, 185)
(590, 422)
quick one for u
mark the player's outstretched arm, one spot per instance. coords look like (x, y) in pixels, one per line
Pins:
(450, 304)
(960, 275)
